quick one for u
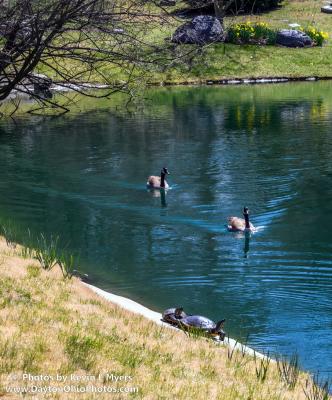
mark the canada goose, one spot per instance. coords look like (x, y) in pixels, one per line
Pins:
(240, 224)
(158, 182)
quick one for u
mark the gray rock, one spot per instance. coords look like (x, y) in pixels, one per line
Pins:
(202, 29)
(327, 9)
(293, 38)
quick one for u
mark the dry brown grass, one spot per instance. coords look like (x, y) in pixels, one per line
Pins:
(49, 326)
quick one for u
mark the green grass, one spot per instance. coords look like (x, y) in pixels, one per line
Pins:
(220, 61)
(228, 61)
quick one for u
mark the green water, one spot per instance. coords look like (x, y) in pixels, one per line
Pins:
(268, 147)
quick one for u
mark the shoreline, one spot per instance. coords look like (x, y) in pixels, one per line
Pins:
(137, 308)
(53, 326)
(243, 81)
(58, 87)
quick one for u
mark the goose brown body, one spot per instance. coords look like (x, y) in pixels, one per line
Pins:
(158, 182)
(236, 224)
(155, 181)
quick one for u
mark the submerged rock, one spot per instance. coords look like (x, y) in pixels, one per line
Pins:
(202, 29)
(293, 38)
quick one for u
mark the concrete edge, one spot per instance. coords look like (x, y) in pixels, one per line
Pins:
(156, 317)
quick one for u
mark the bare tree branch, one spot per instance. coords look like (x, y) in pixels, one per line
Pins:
(79, 42)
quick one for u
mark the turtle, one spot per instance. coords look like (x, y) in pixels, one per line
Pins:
(204, 324)
(174, 315)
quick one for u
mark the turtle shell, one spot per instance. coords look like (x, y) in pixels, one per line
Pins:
(169, 316)
(198, 321)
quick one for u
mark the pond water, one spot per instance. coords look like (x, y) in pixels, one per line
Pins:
(83, 177)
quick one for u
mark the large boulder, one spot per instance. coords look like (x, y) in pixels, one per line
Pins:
(293, 38)
(202, 29)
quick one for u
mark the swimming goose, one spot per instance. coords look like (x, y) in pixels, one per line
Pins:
(240, 224)
(158, 182)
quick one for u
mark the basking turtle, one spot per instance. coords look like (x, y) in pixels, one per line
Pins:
(204, 324)
(174, 315)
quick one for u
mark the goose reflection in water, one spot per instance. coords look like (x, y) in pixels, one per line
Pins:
(246, 244)
(160, 193)
(247, 237)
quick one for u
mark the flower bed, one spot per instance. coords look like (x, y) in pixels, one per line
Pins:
(317, 36)
(260, 33)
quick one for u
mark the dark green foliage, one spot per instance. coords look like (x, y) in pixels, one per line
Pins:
(238, 6)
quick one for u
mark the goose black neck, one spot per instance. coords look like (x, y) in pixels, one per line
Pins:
(246, 218)
(162, 180)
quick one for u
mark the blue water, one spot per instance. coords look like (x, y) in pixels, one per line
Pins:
(83, 176)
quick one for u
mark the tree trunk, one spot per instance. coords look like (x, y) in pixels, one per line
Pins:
(218, 10)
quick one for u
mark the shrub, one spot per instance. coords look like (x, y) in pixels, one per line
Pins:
(317, 36)
(248, 32)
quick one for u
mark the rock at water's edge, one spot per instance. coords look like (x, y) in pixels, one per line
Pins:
(202, 29)
(293, 38)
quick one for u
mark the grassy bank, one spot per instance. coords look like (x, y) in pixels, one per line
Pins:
(51, 326)
(228, 60)
(225, 61)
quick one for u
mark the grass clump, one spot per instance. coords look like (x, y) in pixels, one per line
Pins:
(288, 370)
(32, 355)
(33, 271)
(315, 389)
(8, 355)
(46, 252)
(9, 231)
(68, 264)
(81, 350)
(262, 367)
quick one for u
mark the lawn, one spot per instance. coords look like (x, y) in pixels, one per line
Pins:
(234, 61)
(224, 61)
